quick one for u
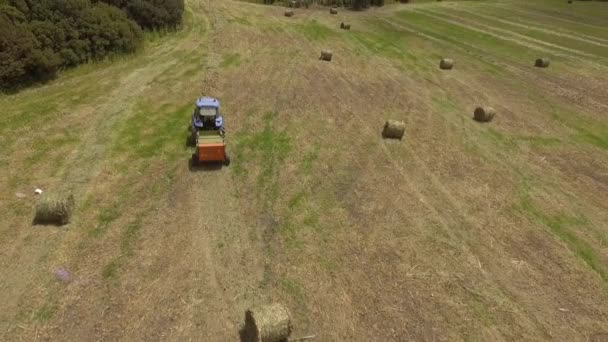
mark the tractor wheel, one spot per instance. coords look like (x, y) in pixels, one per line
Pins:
(226, 160)
(191, 140)
(194, 160)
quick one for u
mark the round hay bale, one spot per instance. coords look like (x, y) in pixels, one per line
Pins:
(394, 129)
(269, 323)
(326, 55)
(542, 62)
(289, 13)
(333, 10)
(54, 209)
(484, 114)
(446, 64)
(345, 26)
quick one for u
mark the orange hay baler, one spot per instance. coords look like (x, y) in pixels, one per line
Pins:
(210, 148)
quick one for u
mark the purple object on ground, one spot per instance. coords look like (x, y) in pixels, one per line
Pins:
(62, 274)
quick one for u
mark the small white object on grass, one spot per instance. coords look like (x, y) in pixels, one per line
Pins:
(38, 191)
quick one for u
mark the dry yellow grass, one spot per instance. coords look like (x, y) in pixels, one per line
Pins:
(467, 232)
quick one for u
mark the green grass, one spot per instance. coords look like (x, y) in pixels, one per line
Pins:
(268, 149)
(293, 288)
(471, 41)
(46, 312)
(312, 219)
(154, 132)
(314, 31)
(129, 236)
(541, 20)
(587, 130)
(564, 227)
(382, 39)
(105, 217)
(296, 200)
(539, 141)
(230, 60)
(482, 311)
(240, 20)
(328, 264)
(534, 33)
(110, 270)
(309, 159)
(597, 136)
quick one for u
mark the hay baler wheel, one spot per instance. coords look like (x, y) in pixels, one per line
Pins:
(227, 160)
(192, 139)
(194, 160)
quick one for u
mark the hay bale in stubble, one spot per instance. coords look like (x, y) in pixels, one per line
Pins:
(269, 323)
(289, 13)
(54, 209)
(326, 55)
(446, 64)
(333, 10)
(542, 63)
(393, 129)
(484, 114)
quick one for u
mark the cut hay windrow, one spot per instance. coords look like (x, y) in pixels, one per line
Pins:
(394, 129)
(54, 209)
(269, 323)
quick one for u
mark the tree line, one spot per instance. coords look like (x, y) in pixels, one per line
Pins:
(354, 4)
(40, 37)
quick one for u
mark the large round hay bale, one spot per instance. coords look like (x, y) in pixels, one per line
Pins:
(289, 13)
(333, 10)
(542, 62)
(446, 64)
(484, 114)
(326, 55)
(394, 129)
(269, 323)
(54, 209)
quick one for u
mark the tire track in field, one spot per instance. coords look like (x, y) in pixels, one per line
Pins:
(573, 90)
(516, 38)
(552, 17)
(531, 27)
(552, 30)
(211, 209)
(454, 205)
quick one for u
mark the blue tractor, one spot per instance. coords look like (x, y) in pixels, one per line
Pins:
(207, 133)
(206, 117)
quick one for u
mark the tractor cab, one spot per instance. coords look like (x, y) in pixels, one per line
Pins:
(207, 116)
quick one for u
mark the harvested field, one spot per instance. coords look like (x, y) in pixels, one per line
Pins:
(463, 231)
